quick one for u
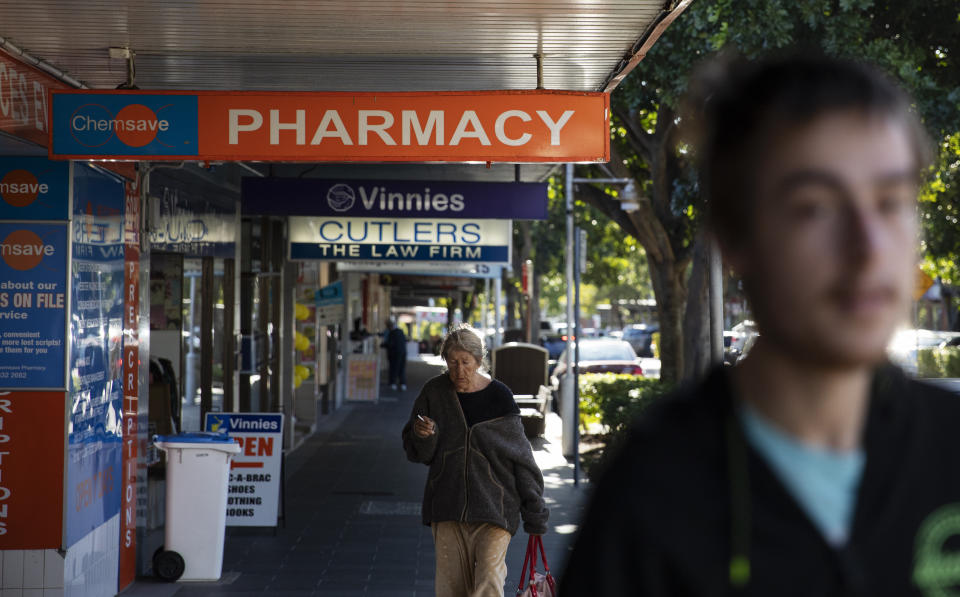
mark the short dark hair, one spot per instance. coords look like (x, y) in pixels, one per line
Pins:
(736, 102)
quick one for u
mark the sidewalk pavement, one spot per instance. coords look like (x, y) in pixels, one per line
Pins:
(353, 513)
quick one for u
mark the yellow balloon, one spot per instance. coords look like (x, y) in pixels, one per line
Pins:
(301, 312)
(300, 342)
(301, 371)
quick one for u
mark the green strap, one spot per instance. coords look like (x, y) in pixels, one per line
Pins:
(739, 504)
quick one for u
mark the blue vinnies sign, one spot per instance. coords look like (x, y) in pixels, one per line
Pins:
(394, 198)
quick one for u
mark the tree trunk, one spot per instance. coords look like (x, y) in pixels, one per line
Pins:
(526, 244)
(616, 317)
(535, 308)
(469, 306)
(512, 298)
(696, 320)
(671, 293)
(660, 231)
(451, 307)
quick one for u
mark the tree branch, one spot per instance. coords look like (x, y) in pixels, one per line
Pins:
(608, 205)
(641, 140)
(642, 224)
(617, 166)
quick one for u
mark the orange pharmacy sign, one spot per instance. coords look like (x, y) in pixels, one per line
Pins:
(451, 126)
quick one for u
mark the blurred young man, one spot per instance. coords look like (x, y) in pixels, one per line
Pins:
(814, 467)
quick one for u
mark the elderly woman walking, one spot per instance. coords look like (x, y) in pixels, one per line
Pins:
(483, 478)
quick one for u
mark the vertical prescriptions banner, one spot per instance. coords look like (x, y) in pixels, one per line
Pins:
(33, 289)
(131, 382)
(94, 471)
(31, 470)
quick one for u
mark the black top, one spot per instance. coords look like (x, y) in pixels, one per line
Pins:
(396, 343)
(660, 519)
(495, 400)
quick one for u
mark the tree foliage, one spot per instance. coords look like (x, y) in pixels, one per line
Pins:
(616, 266)
(918, 43)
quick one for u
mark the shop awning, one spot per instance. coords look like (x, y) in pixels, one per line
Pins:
(340, 45)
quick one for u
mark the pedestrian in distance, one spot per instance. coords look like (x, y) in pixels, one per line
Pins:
(483, 478)
(814, 466)
(396, 345)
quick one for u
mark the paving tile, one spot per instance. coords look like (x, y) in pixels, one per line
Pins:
(216, 591)
(290, 582)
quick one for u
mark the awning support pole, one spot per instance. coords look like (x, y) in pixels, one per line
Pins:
(567, 410)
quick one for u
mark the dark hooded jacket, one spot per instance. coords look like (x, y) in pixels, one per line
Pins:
(665, 516)
(483, 473)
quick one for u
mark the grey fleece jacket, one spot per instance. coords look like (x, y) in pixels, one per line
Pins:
(484, 473)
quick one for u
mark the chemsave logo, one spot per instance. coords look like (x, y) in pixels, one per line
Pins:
(23, 250)
(135, 125)
(20, 188)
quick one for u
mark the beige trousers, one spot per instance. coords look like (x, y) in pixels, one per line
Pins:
(471, 559)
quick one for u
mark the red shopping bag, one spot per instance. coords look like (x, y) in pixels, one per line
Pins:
(536, 584)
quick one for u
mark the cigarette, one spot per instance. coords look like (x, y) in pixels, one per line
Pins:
(421, 418)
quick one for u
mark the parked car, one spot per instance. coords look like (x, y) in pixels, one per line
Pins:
(730, 354)
(747, 347)
(905, 344)
(740, 333)
(553, 338)
(640, 337)
(598, 355)
(954, 341)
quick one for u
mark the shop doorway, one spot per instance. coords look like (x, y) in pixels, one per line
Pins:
(192, 345)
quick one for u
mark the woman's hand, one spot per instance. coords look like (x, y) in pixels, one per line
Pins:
(424, 426)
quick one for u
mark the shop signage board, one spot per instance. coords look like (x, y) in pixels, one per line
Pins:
(34, 188)
(131, 382)
(23, 100)
(394, 198)
(192, 226)
(363, 377)
(31, 470)
(25, 107)
(33, 305)
(424, 268)
(383, 239)
(94, 442)
(450, 283)
(330, 304)
(253, 490)
(447, 126)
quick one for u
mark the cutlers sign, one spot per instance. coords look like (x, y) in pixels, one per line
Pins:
(482, 126)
